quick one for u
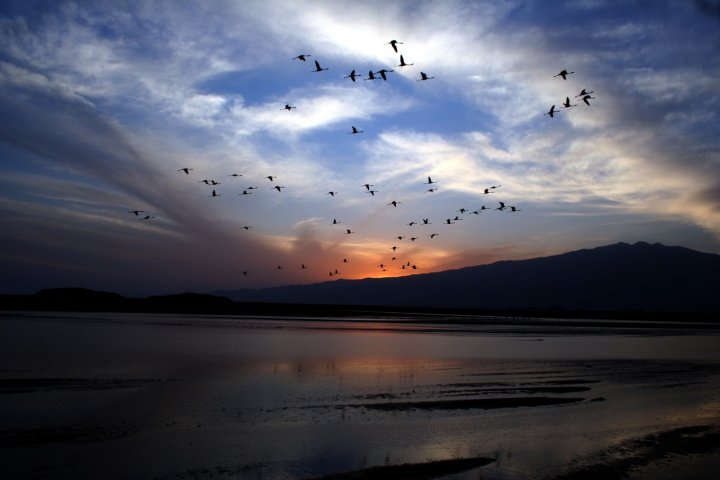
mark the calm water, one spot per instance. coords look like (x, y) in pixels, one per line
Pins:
(158, 396)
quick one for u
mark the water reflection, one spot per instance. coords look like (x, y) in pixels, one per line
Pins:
(199, 398)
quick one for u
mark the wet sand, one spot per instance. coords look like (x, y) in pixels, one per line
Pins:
(163, 397)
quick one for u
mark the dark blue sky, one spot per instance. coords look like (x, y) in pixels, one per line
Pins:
(102, 102)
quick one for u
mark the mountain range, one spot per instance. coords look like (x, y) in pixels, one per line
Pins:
(619, 277)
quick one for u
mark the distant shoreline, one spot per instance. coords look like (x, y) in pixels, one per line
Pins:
(83, 300)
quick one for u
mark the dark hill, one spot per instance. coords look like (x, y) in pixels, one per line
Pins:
(619, 277)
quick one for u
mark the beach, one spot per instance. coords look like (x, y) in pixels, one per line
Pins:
(108, 395)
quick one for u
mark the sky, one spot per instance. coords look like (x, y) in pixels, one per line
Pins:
(103, 102)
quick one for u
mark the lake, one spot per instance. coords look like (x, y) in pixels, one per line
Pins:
(193, 397)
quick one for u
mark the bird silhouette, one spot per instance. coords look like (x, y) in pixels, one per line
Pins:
(335, 222)
(431, 189)
(429, 182)
(349, 232)
(245, 192)
(502, 206)
(394, 203)
(303, 266)
(513, 209)
(567, 104)
(186, 170)
(423, 76)
(246, 227)
(400, 237)
(433, 235)
(137, 212)
(302, 57)
(426, 221)
(583, 93)
(402, 63)
(552, 111)
(371, 76)
(278, 188)
(412, 239)
(383, 72)
(353, 75)
(288, 107)
(394, 44)
(205, 181)
(235, 175)
(354, 131)
(372, 192)
(271, 177)
(368, 185)
(215, 194)
(332, 194)
(213, 182)
(586, 98)
(148, 217)
(563, 74)
(411, 223)
(318, 68)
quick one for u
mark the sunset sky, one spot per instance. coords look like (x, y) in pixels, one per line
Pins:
(102, 102)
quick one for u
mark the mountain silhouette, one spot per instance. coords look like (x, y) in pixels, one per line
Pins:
(619, 277)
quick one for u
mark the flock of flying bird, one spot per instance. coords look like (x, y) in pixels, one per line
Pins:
(584, 95)
(368, 188)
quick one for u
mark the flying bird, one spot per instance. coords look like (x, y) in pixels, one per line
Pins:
(411, 223)
(586, 98)
(288, 107)
(426, 221)
(318, 68)
(235, 175)
(431, 189)
(246, 227)
(215, 194)
(302, 57)
(354, 131)
(402, 63)
(372, 192)
(429, 182)
(205, 181)
(423, 76)
(383, 72)
(513, 209)
(245, 192)
(371, 76)
(278, 188)
(394, 44)
(137, 212)
(148, 217)
(563, 74)
(567, 104)
(394, 203)
(433, 235)
(368, 185)
(335, 222)
(348, 231)
(271, 177)
(502, 206)
(353, 75)
(552, 111)
(303, 267)
(186, 170)
(332, 194)
(583, 93)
